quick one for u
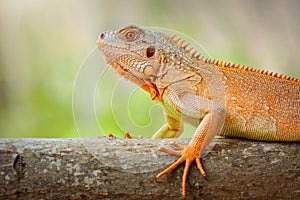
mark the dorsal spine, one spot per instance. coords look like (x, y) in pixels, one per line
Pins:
(194, 54)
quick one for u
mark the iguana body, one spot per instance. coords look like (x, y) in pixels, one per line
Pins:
(212, 95)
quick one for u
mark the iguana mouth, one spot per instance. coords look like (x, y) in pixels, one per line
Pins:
(111, 53)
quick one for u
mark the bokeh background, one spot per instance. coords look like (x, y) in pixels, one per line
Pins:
(44, 42)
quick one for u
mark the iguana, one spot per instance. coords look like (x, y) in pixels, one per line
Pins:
(212, 95)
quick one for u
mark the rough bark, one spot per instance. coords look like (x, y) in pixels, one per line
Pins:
(106, 168)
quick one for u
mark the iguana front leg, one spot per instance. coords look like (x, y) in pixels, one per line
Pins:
(211, 124)
(172, 129)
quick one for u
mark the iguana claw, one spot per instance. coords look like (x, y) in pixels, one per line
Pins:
(186, 154)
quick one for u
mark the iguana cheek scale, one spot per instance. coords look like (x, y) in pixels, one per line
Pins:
(215, 96)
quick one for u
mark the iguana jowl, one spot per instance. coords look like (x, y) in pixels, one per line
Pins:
(214, 96)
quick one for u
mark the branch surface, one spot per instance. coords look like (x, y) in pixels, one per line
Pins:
(104, 168)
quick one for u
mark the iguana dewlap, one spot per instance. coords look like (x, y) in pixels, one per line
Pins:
(212, 95)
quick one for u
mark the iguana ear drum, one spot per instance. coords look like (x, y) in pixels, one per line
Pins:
(150, 52)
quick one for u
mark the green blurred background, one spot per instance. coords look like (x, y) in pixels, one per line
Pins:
(44, 42)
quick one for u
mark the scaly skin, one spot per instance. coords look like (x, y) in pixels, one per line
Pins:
(212, 95)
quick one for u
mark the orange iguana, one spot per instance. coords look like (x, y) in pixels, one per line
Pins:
(214, 96)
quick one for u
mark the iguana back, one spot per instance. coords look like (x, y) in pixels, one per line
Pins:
(260, 105)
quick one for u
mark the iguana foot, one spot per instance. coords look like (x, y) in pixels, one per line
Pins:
(188, 154)
(127, 135)
(111, 136)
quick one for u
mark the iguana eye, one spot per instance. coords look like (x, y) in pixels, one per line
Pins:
(131, 35)
(150, 52)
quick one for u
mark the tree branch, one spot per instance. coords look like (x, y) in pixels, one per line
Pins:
(106, 168)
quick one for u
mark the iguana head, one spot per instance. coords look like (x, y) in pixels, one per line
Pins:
(151, 59)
